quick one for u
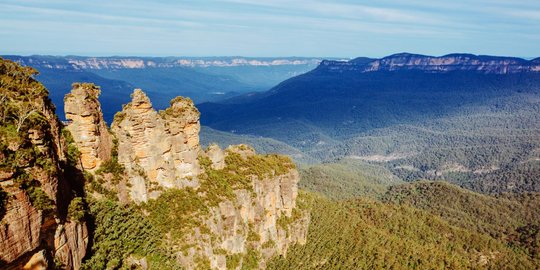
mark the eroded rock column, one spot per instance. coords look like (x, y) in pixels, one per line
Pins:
(87, 126)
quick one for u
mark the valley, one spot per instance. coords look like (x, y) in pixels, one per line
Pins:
(470, 120)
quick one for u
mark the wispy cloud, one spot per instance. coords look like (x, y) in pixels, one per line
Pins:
(301, 27)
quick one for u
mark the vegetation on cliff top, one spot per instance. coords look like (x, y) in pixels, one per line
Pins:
(178, 211)
(26, 150)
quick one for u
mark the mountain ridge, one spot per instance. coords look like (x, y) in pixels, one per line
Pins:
(436, 64)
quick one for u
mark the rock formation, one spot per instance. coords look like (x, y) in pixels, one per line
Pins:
(249, 200)
(158, 150)
(87, 126)
(37, 182)
(261, 220)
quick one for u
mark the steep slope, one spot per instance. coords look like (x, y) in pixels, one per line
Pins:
(472, 120)
(42, 210)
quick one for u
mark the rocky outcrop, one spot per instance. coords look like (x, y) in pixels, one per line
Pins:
(260, 221)
(158, 150)
(432, 64)
(87, 126)
(37, 182)
(249, 200)
(216, 156)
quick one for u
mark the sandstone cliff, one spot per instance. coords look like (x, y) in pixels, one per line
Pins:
(158, 150)
(37, 180)
(87, 125)
(257, 221)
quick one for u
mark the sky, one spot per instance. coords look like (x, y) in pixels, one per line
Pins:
(339, 28)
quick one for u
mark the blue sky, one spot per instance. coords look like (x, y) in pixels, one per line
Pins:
(341, 28)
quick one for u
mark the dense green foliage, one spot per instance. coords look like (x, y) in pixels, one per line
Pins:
(22, 100)
(122, 232)
(510, 218)
(346, 179)
(73, 153)
(176, 211)
(76, 210)
(528, 238)
(489, 148)
(375, 235)
(23, 117)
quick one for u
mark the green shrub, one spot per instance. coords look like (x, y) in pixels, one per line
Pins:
(39, 199)
(253, 236)
(269, 244)
(233, 261)
(251, 260)
(76, 210)
(112, 166)
(176, 211)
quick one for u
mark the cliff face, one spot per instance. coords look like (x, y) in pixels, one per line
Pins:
(258, 221)
(432, 64)
(87, 125)
(158, 150)
(37, 181)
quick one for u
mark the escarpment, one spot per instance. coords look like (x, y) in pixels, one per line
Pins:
(39, 180)
(213, 208)
(431, 64)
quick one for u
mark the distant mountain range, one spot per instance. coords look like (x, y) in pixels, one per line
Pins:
(472, 120)
(447, 63)
(135, 62)
(163, 78)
